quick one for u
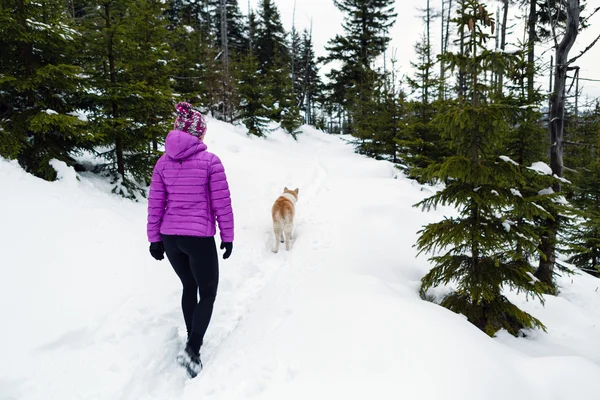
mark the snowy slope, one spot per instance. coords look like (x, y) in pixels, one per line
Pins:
(88, 314)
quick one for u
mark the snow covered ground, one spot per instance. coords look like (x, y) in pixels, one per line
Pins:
(87, 314)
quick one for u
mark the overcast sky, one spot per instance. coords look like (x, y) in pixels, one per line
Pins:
(327, 20)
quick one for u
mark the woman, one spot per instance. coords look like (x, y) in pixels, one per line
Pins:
(188, 194)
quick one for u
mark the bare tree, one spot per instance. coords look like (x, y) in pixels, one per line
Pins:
(446, 14)
(556, 121)
(502, 32)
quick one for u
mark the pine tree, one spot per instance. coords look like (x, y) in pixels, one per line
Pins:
(150, 66)
(296, 63)
(203, 16)
(252, 111)
(127, 60)
(175, 13)
(250, 83)
(308, 84)
(271, 45)
(423, 144)
(584, 233)
(583, 159)
(366, 28)
(238, 41)
(481, 251)
(41, 86)
(196, 70)
(274, 60)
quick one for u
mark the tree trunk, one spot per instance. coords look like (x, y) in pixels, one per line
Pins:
(556, 117)
(225, 59)
(531, 24)
(503, 42)
(441, 86)
(461, 73)
(113, 81)
(428, 62)
(293, 46)
(26, 49)
(250, 30)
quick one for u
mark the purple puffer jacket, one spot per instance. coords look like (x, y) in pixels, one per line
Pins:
(188, 191)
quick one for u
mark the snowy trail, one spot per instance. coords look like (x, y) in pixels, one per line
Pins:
(90, 315)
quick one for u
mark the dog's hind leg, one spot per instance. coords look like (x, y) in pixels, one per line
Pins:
(278, 231)
(288, 228)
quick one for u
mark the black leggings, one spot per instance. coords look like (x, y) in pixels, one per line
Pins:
(196, 262)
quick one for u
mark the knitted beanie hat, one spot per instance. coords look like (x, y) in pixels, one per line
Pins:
(190, 120)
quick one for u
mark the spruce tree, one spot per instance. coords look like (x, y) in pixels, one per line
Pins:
(41, 85)
(274, 60)
(479, 250)
(253, 112)
(423, 144)
(238, 41)
(366, 27)
(197, 76)
(149, 67)
(296, 54)
(307, 85)
(127, 59)
(583, 160)
(271, 44)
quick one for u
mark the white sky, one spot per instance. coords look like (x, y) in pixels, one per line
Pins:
(327, 20)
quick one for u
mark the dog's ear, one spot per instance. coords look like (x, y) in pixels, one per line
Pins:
(297, 190)
(285, 189)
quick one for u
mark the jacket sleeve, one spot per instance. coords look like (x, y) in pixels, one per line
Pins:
(157, 201)
(220, 199)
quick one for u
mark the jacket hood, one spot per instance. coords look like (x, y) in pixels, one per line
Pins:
(181, 145)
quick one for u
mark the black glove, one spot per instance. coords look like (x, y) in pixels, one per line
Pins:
(157, 250)
(228, 246)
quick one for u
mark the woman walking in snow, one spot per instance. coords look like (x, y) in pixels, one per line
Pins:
(189, 193)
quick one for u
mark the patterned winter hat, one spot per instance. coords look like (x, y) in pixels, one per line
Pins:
(190, 120)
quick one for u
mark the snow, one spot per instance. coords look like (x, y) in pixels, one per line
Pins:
(534, 279)
(508, 160)
(539, 207)
(561, 200)
(546, 191)
(541, 168)
(64, 173)
(50, 112)
(87, 313)
(563, 180)
(39, 25)
(79, 114)
(515, 192)
(530, 106)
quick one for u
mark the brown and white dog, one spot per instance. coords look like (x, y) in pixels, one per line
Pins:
(283, 213)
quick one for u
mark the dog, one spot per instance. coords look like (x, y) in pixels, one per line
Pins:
(283, 213)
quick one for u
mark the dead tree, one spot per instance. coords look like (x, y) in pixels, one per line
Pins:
(545, 270)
